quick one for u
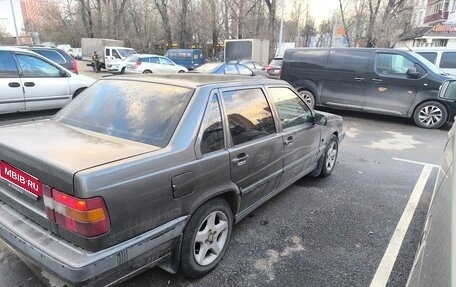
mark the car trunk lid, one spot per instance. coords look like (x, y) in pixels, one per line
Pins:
(50, 153)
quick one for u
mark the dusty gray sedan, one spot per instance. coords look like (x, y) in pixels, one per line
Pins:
(154, 170)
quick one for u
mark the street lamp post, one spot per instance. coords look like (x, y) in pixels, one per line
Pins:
(280, 48)
(14, 20)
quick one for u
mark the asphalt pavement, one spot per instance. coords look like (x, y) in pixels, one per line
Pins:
(320, 231)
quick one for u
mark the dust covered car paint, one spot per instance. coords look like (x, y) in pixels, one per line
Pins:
(140, 171)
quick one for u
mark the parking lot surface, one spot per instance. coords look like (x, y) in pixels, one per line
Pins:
(320, 231)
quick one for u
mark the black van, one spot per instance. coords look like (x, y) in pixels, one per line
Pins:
(383, 81)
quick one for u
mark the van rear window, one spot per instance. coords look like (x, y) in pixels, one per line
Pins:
(430, 56)
(307, 59)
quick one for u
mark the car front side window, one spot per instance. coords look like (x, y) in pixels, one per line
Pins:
(291, 109)
(212, 138)
(249, 115)
(32, 66)
(393, 64)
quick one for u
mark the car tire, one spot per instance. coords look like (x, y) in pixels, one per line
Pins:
(430, 115)
(122, 71)
(181, 71)
(206, 238)
(329, 158)
(308, 97)
(147, 72)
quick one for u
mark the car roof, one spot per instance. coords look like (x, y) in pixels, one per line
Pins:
(197, 80)
(18, 49)
(148, 55)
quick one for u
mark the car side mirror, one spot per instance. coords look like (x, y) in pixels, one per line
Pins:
(412, 72)
(448, 90)
(63, 73)
(320, 119)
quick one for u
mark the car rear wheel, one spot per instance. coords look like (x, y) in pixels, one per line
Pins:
(308, 97)
(206, 238)
(430, 115)
(147, 72)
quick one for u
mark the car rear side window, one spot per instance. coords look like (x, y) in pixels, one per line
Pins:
(448, 60)
(8, 67)
(291, 109)
(138, 111)
(349, 61)
(52, 55)
(249, 115)
(307, 59)
(154, 60)
(212, 139)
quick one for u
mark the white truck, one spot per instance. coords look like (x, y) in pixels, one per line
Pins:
(112, 53)
(247, 49)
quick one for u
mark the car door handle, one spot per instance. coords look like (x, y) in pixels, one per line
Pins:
(289, 141)
(241, 159)
(377, 80)
(29, 84)
(14, 85)
(359, 79)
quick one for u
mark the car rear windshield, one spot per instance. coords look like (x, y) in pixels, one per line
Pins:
(276, 62)
(132, 110)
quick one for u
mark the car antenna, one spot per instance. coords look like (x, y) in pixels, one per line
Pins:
(410, 50)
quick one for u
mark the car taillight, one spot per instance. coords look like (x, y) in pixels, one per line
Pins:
(74, 66)
(138, 63)
(268, 68)
(85, 216)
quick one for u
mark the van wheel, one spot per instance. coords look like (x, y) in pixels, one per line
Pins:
(206, 238)
(430, 115)
(308, 97)
(147, 72)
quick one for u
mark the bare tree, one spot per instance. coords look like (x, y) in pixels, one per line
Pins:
(272, 7)
(162, 7)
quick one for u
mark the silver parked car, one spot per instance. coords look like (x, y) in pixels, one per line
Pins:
(152, 64)
(30, 82)
(148, 170)
(435, 258)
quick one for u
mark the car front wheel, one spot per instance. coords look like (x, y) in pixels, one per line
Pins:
(206, 238)
(430, 115)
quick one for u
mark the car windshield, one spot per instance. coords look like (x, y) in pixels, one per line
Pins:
(133, 58)
(428, 64)
(126, 52)
(132, 110)
(209, 67)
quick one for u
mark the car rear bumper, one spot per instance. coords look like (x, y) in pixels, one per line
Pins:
(79, 267)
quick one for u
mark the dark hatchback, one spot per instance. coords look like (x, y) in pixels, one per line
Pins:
(56, 55)
(147, 170)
